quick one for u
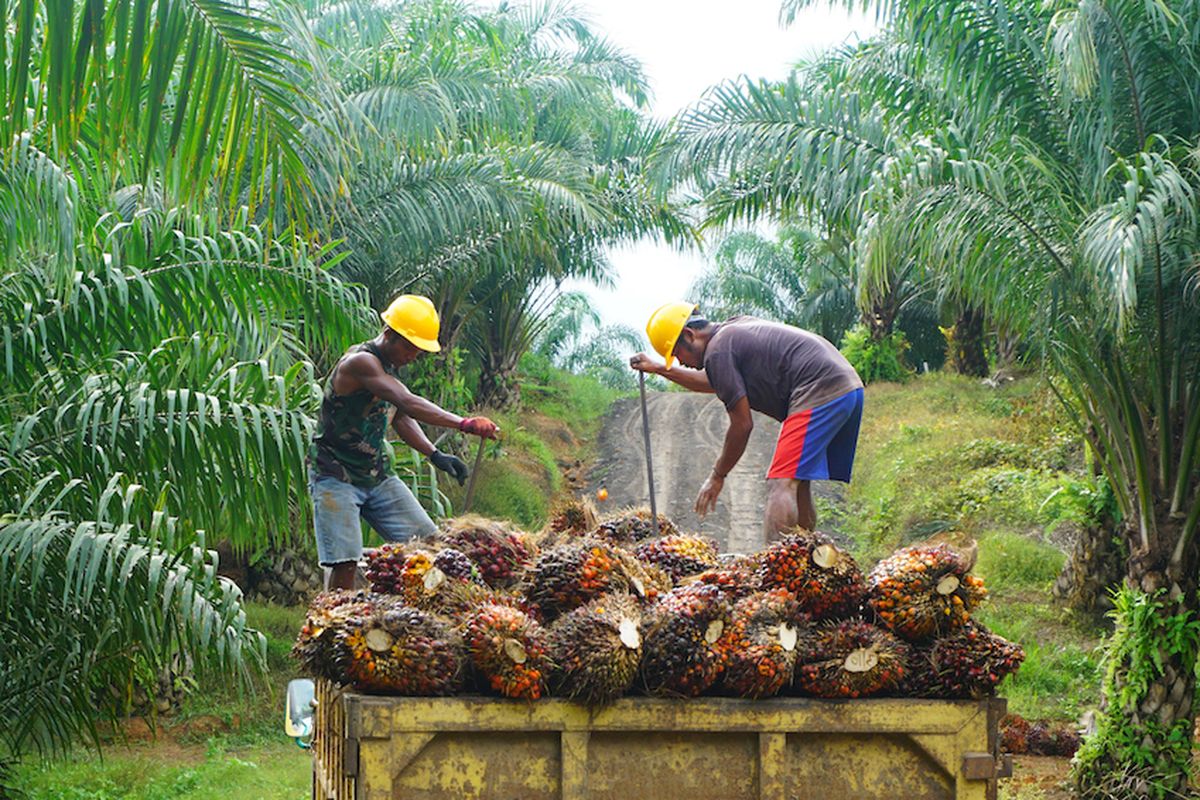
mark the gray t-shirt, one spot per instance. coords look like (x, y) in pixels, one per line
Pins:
(781, 370)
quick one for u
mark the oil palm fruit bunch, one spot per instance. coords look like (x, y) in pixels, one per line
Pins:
(850, 658)
(500, 553)
(758, 647)
(968, 663)
(924, 592)
(679, 554)
(680, 656)
(576, 517)
(508, 650)
(736, 576)
(823, 577)
(596, 649)
(633, 525)
(569, 575)
(329, 611)
(398, 649)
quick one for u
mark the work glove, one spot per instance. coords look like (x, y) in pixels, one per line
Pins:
(453, 465)
(479, 426)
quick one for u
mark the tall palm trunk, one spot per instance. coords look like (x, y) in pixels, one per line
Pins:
(964, 343)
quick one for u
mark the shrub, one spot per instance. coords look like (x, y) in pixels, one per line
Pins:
(876, 359)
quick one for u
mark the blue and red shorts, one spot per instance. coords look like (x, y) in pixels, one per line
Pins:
(818, 444)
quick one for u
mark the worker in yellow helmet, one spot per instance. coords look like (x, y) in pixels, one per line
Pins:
(349, 477)
(795, 376)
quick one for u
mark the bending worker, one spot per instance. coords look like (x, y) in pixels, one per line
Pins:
(795, 376)
(349, 476)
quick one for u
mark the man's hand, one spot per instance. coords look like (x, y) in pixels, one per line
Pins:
(450, 464)
(644, 363)
(480, 426)
(706, 501)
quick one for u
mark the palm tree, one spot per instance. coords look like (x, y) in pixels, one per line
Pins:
(1061, 197)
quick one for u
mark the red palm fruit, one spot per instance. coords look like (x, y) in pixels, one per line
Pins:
(923, 592)
(569, 575)
(508, 650)
(398, 649)
(500, 553)
(824, 578)
(633, 525)
(679, 555)
(759, 647)
(850, 658)
(328, 612)
(596, 649)
(968, 663)
(680, 657)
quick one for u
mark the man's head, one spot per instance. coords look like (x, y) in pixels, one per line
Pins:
(412, 329)
(678, 330)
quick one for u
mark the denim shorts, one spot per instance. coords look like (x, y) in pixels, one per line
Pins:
(390, 508)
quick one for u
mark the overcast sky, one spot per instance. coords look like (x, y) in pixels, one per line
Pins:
(687, 47)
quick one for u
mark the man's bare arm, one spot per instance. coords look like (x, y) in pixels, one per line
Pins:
(363, 371)
(411, 434)
(693, 380)
(741, 423)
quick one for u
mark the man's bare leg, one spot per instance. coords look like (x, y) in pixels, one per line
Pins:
(782, 512)
(806, 516)
(343, 575)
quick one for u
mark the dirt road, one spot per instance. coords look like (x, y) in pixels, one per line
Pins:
(686, 432)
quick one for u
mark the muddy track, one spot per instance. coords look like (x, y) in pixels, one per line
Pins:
(686, 433)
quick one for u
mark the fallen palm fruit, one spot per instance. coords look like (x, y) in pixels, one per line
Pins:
(758, 648)
(824, 578)
(968, 663)
(679, 555)
(851, 658)
(679, 650)
(633, 525)
(500, 553)
(923, 592)
(398, 649)
(508, 650)
(596, 650)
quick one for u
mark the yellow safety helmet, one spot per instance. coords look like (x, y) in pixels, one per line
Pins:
(665, 325)
(414, 317)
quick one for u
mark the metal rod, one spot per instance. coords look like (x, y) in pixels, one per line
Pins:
(646, 439)
(474, 475)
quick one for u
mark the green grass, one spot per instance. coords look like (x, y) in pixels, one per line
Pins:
(947, 455)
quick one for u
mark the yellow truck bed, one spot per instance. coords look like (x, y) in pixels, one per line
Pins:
(481, 748)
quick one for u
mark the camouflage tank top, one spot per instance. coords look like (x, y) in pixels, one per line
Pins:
(348, 444)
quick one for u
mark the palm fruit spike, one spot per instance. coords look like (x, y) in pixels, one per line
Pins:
(567, 576)
(679, 649)
(399, 649)
(576, 517)
(968, 663)
(646, 581)
(851, 658)
(924, 591)
(500, 553)
(822, 576)
(314, 647)
(679, 554)
(759, 646)
(633, 525)
(508, 650)
(596, 649)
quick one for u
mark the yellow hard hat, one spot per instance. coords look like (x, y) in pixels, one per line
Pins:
(665, 325)
(414, 317)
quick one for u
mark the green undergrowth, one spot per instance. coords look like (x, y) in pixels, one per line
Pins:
(226, 741)
(943, 456)
(554, 425)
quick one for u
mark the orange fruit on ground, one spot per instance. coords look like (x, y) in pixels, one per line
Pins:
(602, 495)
